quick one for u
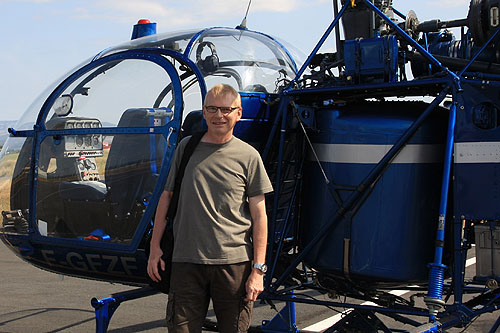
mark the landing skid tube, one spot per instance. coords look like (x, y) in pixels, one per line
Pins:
(106, 307)
(283, 321)
(359, 321)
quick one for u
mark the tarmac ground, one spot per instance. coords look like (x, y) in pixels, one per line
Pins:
(33, 300)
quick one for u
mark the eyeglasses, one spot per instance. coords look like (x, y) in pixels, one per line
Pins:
(223, 109)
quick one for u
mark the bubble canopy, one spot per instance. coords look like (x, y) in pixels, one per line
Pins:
(104, 134)
(253, 58)
(249, 61)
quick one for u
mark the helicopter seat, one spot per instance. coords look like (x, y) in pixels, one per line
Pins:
(84, 205)
(132, 168)
(58, 166)
(83, 191)
(192, 123)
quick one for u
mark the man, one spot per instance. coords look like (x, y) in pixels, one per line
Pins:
(220, 228)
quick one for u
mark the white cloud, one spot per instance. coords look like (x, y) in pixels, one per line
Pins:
(131, 6)
(183, 13)
(276, 5)
(27, 1)
(448, 3)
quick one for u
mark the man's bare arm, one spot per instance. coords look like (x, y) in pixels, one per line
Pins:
(255, 282)
(158, 230)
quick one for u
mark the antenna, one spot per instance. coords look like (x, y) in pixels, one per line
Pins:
(243, 24)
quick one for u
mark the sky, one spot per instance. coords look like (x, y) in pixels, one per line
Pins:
(41, 40)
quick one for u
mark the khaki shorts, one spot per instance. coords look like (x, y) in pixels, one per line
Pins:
(193, 285)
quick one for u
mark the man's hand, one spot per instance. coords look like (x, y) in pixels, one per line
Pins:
(154, 258)
(155, 252)
(254, 285)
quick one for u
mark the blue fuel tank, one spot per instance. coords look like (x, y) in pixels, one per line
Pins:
(389, 237)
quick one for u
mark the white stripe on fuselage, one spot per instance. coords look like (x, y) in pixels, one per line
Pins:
(464, 152)
(372, 154)
(477, 152)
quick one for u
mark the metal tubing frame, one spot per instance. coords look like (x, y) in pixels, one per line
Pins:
(480, 51)
(412, 311)
(284, 230)
(277, 190)
(412, 42)
(395, 149)
(367, 87)
(274, 128)
(39, 133)
(435, 290)
(361, 188)
(458, 274)
(106, 307)
(458, 257)
(283, 321)
(495, 326)
(405, 36)
(319, 44)
(470, 314)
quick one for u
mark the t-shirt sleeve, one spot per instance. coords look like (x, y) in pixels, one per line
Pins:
(258, 180)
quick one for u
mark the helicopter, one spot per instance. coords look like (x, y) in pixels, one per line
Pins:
(89, 192)
(383, 156)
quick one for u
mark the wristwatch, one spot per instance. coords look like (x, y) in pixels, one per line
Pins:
(261, 267)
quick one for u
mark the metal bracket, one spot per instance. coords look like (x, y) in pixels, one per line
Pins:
(106, 307)
(283, 321)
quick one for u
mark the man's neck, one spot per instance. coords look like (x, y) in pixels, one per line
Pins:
(217, 139)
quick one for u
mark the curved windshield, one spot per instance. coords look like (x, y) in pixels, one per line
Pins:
(30, 115)
(92, 185)
(93, 181)
(249, 61)
(175, 41)
(107, 91)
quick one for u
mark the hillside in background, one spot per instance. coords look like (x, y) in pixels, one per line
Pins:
(4, 125)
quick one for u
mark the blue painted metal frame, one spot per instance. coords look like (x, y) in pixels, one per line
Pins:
(283, 321)
(318, 45)
(400, 31)
(39, 133)
(106, 307)
(407, 310)
(452, 83)
(412, 42)
(364, 186)
(437, 269)
(277, 192)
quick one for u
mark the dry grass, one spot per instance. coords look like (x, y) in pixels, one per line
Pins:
(101, 162)
(5, 194)
(7, 165)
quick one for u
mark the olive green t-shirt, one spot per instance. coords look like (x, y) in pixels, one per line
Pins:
(213, 222)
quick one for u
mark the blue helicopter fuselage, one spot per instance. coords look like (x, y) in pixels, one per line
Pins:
(89, 172)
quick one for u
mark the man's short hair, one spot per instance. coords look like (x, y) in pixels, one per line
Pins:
(222, 89)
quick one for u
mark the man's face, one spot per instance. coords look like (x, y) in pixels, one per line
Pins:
(218, 123)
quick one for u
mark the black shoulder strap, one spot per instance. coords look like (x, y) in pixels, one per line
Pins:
(186, 155)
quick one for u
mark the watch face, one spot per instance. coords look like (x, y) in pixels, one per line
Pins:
(261, 267)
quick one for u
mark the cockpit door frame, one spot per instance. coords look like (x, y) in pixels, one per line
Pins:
(169, 131)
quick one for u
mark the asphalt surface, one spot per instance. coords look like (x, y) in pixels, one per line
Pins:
(33, 300)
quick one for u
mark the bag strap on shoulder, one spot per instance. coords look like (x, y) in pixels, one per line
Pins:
(188, 151)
